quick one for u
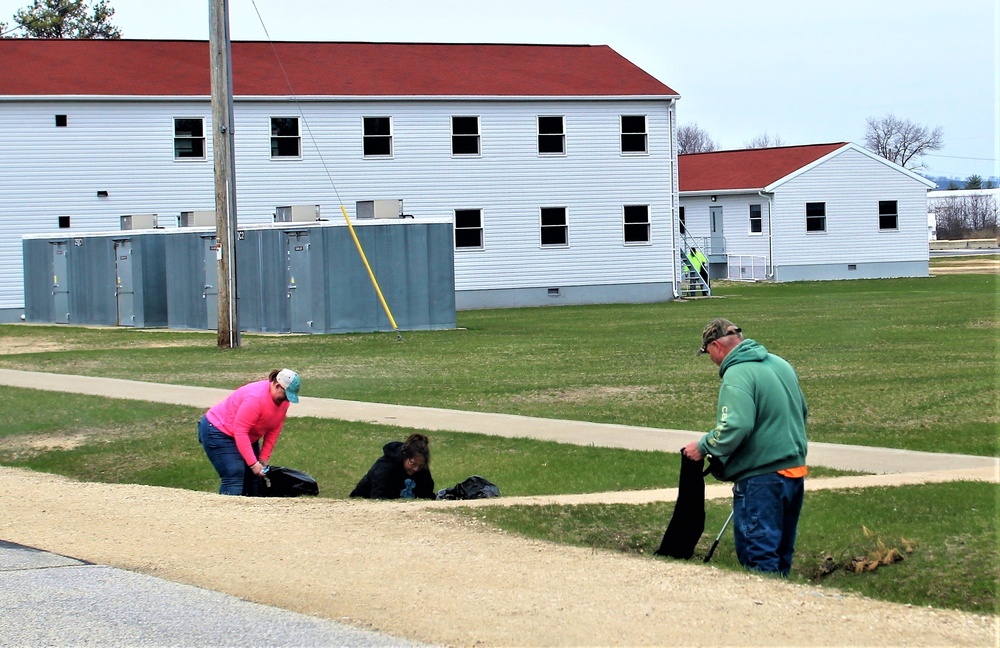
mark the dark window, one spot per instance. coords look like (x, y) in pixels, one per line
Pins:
(680, 219)
(377, 136)
(636, 223)
(551, 136)
(555, 231)
(61, 120)
(756, 221)
(64, 222)
(816, 217)
(285, 139)
(468, 228)
(888, 215)
(465, 135)
(633, 133)
(189, 138)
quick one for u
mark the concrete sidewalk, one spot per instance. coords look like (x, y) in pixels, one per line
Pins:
(842, 457)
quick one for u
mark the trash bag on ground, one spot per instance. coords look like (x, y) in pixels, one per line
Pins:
(474, 487)
(286, 482)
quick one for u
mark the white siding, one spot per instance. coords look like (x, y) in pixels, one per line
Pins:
(126, 149)
(851, 184)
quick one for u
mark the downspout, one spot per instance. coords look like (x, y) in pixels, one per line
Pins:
(674, 199)
(770, 236)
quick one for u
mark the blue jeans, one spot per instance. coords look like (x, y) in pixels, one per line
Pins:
(237, 478)
(765, 517)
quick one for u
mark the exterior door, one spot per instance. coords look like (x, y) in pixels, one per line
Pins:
(717, 243)
(60, 283)
(210, 284)
(299, 305)
(124, 284)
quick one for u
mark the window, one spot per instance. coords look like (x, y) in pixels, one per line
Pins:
(636, 223)
(465, 135)
(888, 215)
(378, 136)
(64, 222)
(189, 138)
(633, 134)
(756, 221)
(551, 136)
(285, 140)
(816, 217)
(469, 228)
(680, 220)
(555, 231)
(61, 121)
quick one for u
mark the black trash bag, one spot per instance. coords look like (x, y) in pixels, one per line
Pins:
(474, 487)
(286, 482)
(688, 520)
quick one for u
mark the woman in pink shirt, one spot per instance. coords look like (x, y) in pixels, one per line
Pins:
(231, 431)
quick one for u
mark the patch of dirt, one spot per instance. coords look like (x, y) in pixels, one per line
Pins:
(957, 265)
(13, 346)
(414, 571)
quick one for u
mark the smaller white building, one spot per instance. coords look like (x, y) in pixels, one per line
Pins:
(794, 213)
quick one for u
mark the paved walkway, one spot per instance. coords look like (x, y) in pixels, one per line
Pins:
(54, 600)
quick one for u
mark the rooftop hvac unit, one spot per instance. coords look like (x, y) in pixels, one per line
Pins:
(196, 219)
(379, 209)
(138, 221)
(296, 214)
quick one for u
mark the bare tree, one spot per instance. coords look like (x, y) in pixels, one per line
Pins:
(67, 19)
(764, 141)
(901, 141)
(692, 139)
(970, 216)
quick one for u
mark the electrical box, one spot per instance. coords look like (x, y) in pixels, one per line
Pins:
(139, 221)
(196, 219)
(379, 209)
(296, 214)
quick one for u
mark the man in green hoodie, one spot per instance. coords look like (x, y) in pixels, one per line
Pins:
(760, 442)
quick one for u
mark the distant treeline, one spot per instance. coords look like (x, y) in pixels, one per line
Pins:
(944, 183)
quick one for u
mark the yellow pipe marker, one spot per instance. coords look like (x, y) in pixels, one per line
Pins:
(371, 274)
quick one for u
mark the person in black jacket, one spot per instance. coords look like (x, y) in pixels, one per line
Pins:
(403, 470)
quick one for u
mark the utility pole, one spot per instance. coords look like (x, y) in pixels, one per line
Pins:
(225, 170)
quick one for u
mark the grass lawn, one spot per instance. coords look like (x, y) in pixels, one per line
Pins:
(907, 363)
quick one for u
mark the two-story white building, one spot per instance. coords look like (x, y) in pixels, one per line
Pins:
(557, 163)
(793, 213)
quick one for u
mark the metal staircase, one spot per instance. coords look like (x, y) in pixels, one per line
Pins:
(693, 284)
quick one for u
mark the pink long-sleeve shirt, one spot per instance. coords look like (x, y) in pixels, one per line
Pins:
(249, 414)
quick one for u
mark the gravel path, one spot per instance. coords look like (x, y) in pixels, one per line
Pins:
(416, 572)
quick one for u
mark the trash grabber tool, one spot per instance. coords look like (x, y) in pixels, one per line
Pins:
(718, 537)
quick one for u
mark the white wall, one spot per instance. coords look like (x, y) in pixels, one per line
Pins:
(851, 184)
(126, 149)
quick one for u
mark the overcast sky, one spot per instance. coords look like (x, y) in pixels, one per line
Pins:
(808, 72)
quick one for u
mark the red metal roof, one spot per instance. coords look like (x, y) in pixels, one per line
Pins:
(746, 169)
(33, 67)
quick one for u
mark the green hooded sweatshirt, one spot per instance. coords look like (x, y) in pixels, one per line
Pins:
(761, 415)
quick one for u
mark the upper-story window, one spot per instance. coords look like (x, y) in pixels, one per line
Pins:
(680, 220)
(469, 229)
(551, 135)
(888, 215)
(189, 138)
(816, 217)
(465, 135)
(555, 227)
(756, 220)
(378, 136)
(634, 136)
(636, 225)
(285, 139)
